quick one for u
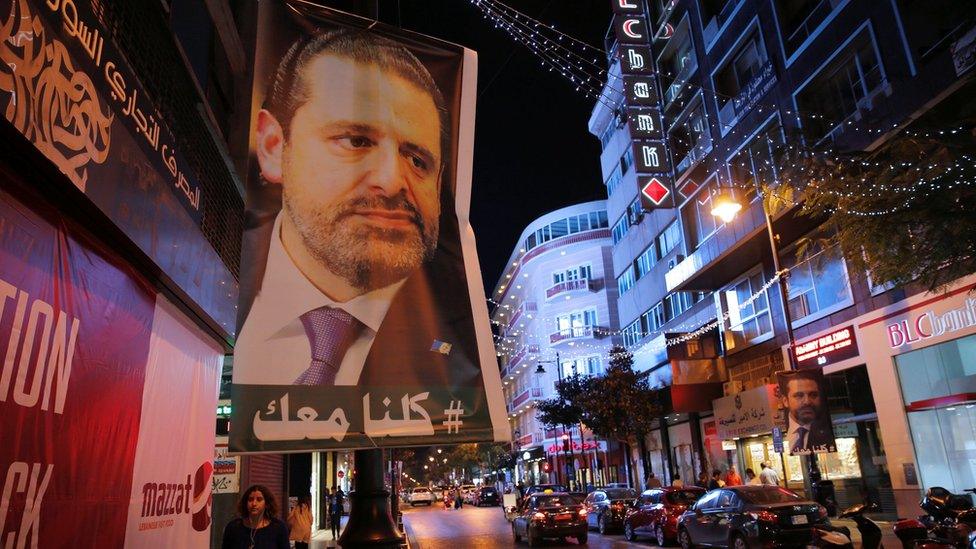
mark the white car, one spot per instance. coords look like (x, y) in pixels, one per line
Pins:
(467, 493)
(421, 495)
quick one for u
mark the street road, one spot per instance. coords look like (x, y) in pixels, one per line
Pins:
(479, 528)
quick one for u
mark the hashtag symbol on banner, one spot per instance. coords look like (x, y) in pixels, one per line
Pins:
(453, 417)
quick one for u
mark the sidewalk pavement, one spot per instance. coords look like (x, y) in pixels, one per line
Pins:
(323, 538)
(888, 538)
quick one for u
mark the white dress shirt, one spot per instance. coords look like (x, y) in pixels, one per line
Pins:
(273, 348)
(793, 436)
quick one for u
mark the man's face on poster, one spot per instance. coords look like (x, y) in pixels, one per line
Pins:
(803, 400)
(360, 170)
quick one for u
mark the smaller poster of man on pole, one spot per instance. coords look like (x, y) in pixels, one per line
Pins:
(803, 396)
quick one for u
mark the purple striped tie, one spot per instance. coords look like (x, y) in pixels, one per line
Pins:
(330, 334)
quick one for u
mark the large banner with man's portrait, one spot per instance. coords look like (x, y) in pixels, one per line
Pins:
(803, 399)
(362, 320)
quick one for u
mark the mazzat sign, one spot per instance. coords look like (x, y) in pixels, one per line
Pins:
(642, 104)
(932, 323)
(106, 395)
(827, 349)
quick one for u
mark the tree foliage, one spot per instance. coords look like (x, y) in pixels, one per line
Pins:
(902, 212)
(565, 408)
(620, 405)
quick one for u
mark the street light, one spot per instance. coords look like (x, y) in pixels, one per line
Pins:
(540, 369)
(726, 207)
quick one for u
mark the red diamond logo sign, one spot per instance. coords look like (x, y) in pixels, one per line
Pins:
(655, 191)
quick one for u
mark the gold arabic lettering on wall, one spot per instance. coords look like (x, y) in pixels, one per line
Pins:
(51, 103)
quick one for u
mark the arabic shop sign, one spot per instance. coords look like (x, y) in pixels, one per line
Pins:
(932, 323)
(827, 349)
(71, 89)
(586, 446)
(751, 412)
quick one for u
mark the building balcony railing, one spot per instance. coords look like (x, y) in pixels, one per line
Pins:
(760, 83)
(518, 357)
(532, 393)
(577, 333)
(566, 286)
(525, 307)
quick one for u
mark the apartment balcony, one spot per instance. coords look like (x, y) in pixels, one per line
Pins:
(525, 308)
(517, 359)
(529, 395)
(570, 286)
(748, 96)
(735, 248)
(577, 333)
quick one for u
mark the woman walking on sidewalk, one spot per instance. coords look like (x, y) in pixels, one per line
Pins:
(257, 527)
(300, 523)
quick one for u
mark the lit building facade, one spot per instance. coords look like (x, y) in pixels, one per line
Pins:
(557, 310)
(738, 78)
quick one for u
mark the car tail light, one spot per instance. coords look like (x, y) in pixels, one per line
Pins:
(582, 513)
(539, 516)
(765, 516)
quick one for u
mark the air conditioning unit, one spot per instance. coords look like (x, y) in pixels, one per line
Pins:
(732, 388)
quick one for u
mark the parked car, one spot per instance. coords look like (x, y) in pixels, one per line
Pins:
(607, 507)
(746, 516)
(535, 488)
(655, 513)
(487, 495)
(421, 495)
(550, 515)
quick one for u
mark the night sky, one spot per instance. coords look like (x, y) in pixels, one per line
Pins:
(533, 153)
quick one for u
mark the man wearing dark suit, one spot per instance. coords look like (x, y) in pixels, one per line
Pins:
(808, 428)
(357, 285)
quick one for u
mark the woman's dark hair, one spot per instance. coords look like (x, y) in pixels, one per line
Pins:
(270, 506)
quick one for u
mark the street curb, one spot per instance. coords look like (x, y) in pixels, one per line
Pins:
(411, 537)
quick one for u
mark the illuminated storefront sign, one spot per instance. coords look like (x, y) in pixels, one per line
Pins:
(827, 349)
(931, 324)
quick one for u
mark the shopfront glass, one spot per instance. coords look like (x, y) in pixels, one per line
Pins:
(945, 436)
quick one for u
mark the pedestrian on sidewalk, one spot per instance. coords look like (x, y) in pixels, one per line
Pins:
(335, 512)
(300, 523)
(768, 476)
(732, 478)
(716, 481)
(652, 481)
(257, 526)
(676, 481)
(751, 478)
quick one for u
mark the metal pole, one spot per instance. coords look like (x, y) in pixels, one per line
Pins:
(370, 523)
(813, 467)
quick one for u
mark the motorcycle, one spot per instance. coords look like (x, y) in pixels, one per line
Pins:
(840, 536)
(950, 522)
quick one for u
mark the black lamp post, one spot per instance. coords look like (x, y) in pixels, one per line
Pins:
(566, 436)
(726, 207)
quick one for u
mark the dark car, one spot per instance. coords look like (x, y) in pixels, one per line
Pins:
(656, 513)
(487, 495)
(550, 515)
(543, 488)
(746, 516)
(607, 507)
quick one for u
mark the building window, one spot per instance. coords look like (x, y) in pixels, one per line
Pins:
(689, 138)
(583, 272)
(635, 212)
(632, 334)
(570, 225)
(626, 281)
(697, 213)
(740, 82)
(747, 323)
(677, 62)
(626, 161)
(614, 180)
(844, 88)
(645, 261)
(714, 13)
(818, 284)
(608, 133)
(798, 19)
(619, 229)
(654, 318)
(668, 239)
(751, 167)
